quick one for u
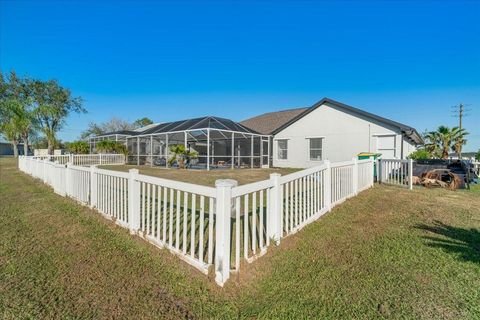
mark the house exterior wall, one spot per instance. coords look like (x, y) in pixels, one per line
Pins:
(6, 149)
(344, 134)
(408, 148)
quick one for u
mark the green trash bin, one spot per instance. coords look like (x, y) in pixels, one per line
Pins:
(367, 155)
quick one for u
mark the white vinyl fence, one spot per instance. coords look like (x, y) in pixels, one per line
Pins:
(85, 159)
(396, 172)
(217, 226)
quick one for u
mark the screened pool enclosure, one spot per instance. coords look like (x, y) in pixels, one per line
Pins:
(217, 142)
(119, 136)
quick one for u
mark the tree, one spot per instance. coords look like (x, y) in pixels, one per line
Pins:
(114, 124)
(11, 133)
(78, 147)
(477, 156)
(458, 144)
(53, 104)
(180, 154)
(16, 109)
(440, 142)
(142, 122)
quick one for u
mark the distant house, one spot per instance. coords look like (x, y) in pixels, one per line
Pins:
(465, 156)
(331, 130)
(44, 152)
(6, 148)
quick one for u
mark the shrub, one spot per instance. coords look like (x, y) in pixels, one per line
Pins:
(109, 146)
(78, 147)
(420, 155)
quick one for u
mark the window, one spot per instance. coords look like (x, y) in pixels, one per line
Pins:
(282, 149)
(386, 146)
(316, 149)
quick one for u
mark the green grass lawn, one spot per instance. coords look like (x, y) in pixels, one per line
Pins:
(388, 253)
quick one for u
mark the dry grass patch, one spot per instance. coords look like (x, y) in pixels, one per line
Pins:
(204, 177)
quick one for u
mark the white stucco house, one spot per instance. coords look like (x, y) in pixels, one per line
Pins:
(331, 130)
(296, 138)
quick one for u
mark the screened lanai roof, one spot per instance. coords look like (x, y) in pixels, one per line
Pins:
(198, 123)
(119, 132)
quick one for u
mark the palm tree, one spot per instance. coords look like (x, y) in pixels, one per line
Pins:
(459, 143)
(180, 155)
(10, 130)
(440, 142)
(16, 109)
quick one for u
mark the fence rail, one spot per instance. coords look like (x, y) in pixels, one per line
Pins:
(84, 159)
(217, 226)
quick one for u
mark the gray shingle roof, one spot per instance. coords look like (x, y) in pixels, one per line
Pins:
(274, 122)
(268, 122)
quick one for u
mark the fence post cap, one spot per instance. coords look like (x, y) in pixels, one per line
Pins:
(275, 175)
(133, 171)
(226, 183)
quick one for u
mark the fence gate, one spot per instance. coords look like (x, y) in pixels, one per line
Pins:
(396, 172)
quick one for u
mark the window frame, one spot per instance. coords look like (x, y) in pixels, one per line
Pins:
(315, 149)
(284, 149)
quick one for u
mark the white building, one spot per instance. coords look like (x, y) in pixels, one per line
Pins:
(334, 131)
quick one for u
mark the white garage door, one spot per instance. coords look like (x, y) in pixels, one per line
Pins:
(386, 146)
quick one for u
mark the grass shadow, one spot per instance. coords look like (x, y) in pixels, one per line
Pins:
(463, 242)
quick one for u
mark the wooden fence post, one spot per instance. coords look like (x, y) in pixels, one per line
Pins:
(223, 214)
(410, 174)
(328, 185)
(133, 201)
(274, 223)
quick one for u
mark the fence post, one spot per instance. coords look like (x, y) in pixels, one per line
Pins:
(67, 179)
(44, 170)
(355, 176)
(70, 158)
(379, 171)
(372, 171)
(100, 158)
(328, 185)
(274, 226)
(410, 174)
(223, 215)
(133, 201)
(93, 187)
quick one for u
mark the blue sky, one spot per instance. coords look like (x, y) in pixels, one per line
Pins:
(409, 61)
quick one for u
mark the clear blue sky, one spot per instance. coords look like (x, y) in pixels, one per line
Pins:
(408, 61)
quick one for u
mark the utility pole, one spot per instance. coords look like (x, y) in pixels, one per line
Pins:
(459, 111)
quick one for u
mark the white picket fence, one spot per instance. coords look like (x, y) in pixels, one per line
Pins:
(85, 159)
(208, 226)
(396, 172)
